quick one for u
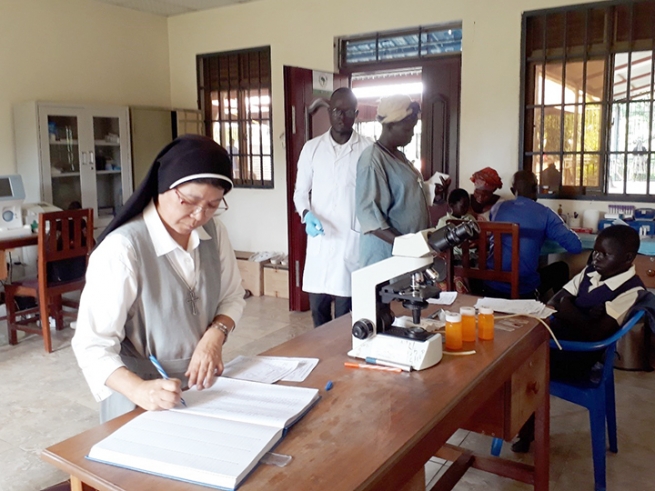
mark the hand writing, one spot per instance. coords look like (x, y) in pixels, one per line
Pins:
(158, 394)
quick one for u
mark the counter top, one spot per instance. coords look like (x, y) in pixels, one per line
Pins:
(647, 246)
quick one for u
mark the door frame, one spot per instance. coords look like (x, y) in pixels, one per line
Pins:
(301, 105)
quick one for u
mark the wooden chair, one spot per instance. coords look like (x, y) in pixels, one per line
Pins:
(64, 244)
(490, 233)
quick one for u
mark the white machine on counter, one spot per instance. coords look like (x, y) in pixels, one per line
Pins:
(31, 212)
(12, 195)
(28, 255)
(410, 276)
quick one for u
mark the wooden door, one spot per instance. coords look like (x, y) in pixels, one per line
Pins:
(306, 94)
(440, 117)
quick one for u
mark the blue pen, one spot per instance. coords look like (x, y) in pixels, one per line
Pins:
(163, 373)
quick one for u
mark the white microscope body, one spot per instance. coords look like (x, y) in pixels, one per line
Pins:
(409, 276)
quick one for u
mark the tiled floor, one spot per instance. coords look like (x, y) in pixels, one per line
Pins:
(43, 400)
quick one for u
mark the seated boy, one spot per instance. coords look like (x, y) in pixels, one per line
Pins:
(459, 202)
(591, 307)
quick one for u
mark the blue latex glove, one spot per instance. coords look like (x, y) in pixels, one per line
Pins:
(313, 225)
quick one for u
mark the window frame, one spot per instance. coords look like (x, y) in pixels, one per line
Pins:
(617, 38)
(243, 162)
(346, 66)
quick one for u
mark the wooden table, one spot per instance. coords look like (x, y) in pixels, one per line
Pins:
(376, 430)
(13, 243)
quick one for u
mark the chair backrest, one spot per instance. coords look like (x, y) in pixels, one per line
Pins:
(490, 233)
(64, 236)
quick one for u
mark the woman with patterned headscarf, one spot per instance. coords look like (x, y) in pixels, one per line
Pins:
(486, 182)
(163, 282)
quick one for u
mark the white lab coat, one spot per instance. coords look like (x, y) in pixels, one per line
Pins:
(325, 185)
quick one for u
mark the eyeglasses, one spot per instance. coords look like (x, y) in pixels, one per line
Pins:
(349, 113)
(194, 208)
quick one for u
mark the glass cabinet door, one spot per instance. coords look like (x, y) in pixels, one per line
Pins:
(107, 140)
(63, 145)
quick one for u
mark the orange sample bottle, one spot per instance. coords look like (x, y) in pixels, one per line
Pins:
(453, 331)
(468, 323)
(486, 323)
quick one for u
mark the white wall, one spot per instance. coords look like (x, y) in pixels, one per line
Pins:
(301, 33)
(78, 51)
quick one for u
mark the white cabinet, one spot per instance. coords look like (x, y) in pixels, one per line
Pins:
(74, 155)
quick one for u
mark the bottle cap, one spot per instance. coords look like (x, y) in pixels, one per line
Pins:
(453, 317)
(467, 310)
(486, 311)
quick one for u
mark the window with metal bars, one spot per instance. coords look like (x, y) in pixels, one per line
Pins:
(588, 96)
(234, 90)
(413, 44)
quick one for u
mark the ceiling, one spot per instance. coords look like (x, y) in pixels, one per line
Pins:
(168, 8)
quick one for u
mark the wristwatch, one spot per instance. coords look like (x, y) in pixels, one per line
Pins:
(221, 327)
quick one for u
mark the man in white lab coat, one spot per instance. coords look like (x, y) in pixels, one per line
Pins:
(325, 199)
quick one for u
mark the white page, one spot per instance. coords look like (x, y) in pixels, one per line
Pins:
(250, 402)
(527, 307)
(445, 298)
(302, 371)
(188, 447)
(259, 369)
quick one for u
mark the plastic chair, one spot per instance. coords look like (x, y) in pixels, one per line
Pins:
(597, 396)
(64, 244)
(490, 233)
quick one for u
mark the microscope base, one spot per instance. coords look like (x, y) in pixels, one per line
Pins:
(417, 354)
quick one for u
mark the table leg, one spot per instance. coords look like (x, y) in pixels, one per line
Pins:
(542, 443)
(76, 484)
(3, 266)
(416, 483)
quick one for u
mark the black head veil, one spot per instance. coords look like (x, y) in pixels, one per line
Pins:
(184, 159)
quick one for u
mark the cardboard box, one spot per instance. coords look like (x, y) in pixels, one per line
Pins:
(276, 281)
(252, 278)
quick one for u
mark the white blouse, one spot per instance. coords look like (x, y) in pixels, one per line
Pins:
(112, 286)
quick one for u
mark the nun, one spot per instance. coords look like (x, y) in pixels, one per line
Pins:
(162, 281)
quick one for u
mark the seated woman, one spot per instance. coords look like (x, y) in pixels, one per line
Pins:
(486, 182)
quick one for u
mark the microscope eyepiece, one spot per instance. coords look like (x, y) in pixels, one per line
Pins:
(453, 235)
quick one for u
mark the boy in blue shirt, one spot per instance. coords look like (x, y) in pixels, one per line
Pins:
(591, 307)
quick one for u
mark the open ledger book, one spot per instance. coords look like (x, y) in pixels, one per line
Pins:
(216, 440)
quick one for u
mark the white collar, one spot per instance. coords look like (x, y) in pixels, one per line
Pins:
(351, 141)
(613, 282)
(161, 239)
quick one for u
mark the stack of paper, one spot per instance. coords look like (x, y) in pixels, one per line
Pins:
(526, 307)
(269, 369)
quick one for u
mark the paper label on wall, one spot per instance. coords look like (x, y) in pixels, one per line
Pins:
(323, 82)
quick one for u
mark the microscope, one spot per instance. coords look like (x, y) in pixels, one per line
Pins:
(410, 276)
